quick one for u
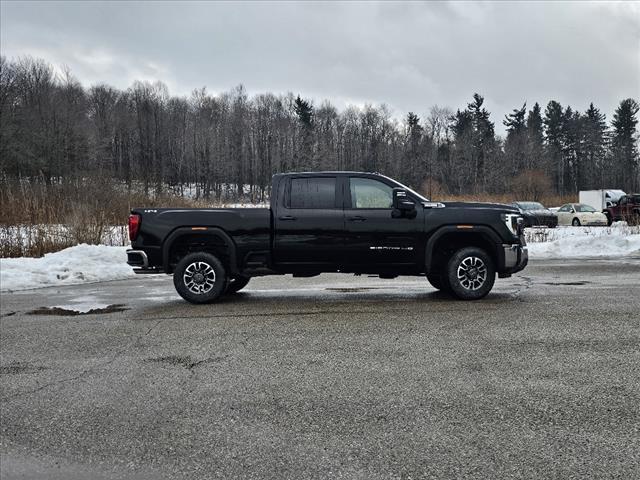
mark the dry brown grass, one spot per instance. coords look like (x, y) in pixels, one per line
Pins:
(38, 217)
(548, 200)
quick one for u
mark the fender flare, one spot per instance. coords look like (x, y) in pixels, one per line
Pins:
(210, 231)
(487, 232)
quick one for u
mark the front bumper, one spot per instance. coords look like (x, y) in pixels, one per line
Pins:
(516, 258)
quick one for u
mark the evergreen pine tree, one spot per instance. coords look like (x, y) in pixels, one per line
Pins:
(305, 157)
(572, 149)
(553, 122)
(414, 153)
(484, 144)
(304, 111)
(516, 142)
(594, 131)
(534, 157)
(624, 144)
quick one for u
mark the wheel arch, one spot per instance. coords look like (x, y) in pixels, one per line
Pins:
(212, 240)
(451, 238)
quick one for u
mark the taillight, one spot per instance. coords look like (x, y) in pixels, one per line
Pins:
(134, 226)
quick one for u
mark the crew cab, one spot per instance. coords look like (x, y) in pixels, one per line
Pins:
(348, 222)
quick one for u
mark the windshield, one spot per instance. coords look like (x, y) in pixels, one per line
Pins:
(585, 208)
(530, 205)
(413, 192)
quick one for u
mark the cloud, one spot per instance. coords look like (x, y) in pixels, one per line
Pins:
(407, 55)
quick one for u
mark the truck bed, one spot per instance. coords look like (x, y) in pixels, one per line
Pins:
(248, 228)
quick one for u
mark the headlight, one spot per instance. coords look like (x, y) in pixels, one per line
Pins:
(513, 222)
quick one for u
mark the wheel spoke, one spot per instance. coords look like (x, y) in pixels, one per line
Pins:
(199, 277)
(472, 273)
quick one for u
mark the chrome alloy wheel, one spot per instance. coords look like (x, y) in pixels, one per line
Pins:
(199, 277)
(472, 273)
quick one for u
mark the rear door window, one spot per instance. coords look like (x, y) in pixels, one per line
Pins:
(313, 192)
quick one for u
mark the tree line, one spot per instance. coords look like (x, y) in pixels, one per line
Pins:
(229, 145)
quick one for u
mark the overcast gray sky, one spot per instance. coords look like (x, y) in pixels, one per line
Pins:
(407, 55)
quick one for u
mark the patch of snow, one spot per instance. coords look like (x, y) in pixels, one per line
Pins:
(581, 242)
(80, 264)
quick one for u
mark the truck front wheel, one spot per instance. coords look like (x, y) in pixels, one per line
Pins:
(200, 278)
(439, 282)
(470, 273)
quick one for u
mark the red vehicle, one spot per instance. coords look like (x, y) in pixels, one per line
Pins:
(627, 208)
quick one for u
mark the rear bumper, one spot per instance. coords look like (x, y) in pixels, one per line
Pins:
(137, 258)
(516, 258)
(140, 261)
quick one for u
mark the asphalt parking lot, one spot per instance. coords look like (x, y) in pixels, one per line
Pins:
(329, 377)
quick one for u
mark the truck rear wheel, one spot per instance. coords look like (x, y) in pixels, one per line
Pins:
(200, 278)
(236, 284)
(470, 273)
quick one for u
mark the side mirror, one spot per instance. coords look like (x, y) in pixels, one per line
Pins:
(403, 206)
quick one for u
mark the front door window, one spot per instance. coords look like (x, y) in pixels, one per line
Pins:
(370, 194)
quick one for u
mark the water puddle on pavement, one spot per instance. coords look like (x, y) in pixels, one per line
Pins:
(79, 309)
(352, 289)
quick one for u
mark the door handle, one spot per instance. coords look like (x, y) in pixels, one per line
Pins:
(287, 218)
(357, 218)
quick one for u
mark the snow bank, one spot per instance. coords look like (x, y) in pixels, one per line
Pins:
(94, 263)
(79, 264)
(581, 242)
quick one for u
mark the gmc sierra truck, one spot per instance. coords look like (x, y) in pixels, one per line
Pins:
(348, 222)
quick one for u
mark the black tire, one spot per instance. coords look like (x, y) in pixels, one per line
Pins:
(609, 219)
(236, 284)
(200, 271)
(439, 282)
(435, 280)
(575, 222)
(470, 273)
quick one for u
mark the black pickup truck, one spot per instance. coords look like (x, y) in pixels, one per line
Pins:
(349, 222)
